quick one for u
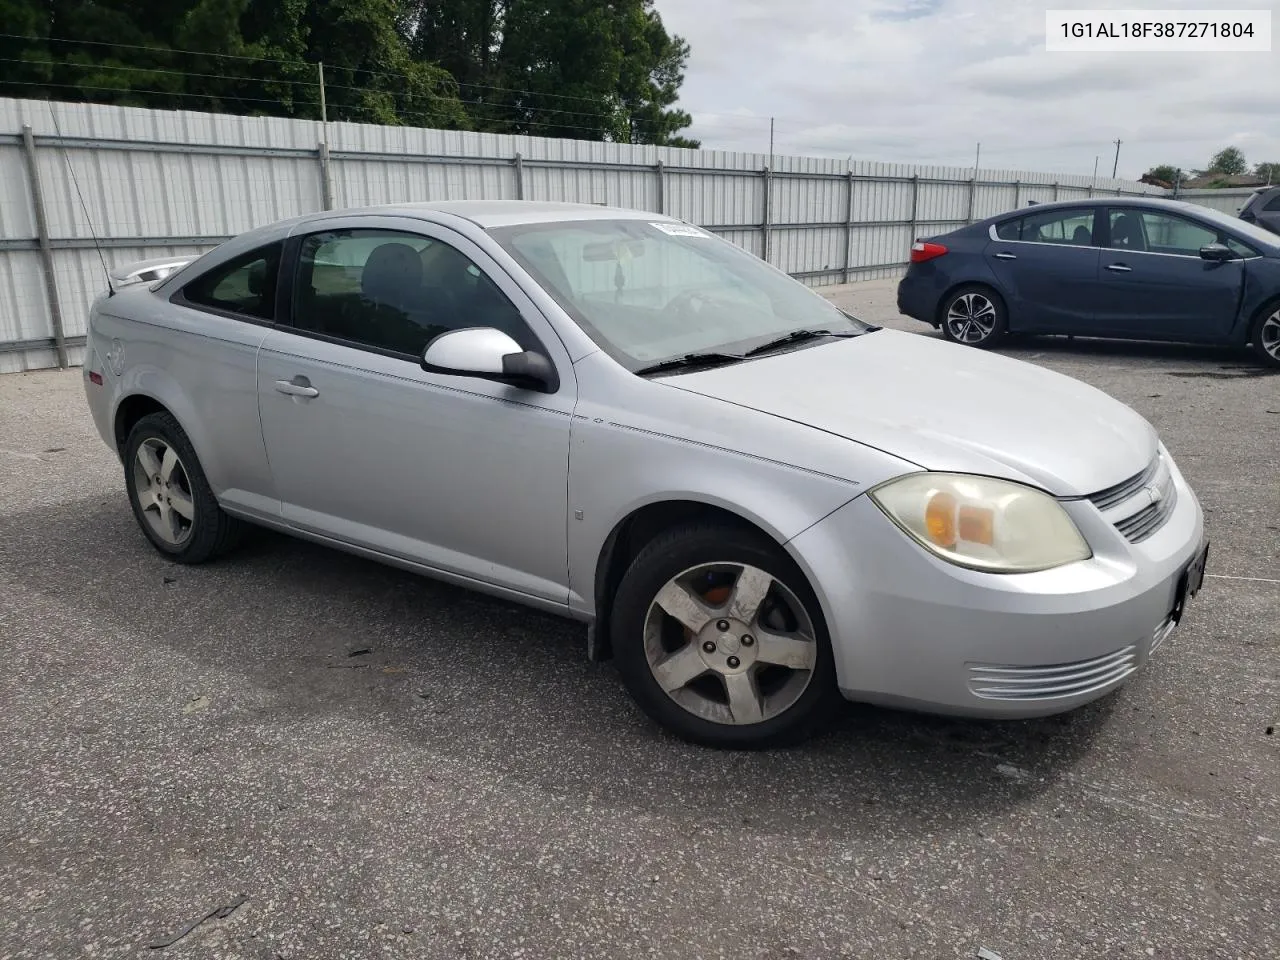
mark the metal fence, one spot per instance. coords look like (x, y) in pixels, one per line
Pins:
(150, 183)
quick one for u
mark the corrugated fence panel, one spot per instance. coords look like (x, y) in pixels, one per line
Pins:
(177, 182)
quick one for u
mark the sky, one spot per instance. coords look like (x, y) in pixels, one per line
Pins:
(923, 81)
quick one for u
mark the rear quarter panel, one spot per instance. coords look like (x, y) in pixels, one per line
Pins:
(203, 369)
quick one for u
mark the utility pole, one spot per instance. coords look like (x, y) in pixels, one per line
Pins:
(1116, 166)
(771, 143)
(976, 157)
(1095, 170)
(324, 109)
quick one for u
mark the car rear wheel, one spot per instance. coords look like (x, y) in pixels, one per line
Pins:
(1265, 335)
(171, 498)
(975, 316)
(719, 638)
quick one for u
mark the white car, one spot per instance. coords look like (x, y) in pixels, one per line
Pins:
(756, 502)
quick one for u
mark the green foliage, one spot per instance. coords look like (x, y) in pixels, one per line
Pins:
(1268, 171)
(1166, 172)
(585, 69)
(1229, 161)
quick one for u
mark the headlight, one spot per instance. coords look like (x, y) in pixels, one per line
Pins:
(983, 523)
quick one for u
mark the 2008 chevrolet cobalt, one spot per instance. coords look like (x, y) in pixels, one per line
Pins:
(757, 502)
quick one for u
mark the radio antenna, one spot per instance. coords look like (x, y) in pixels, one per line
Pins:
(83, 206)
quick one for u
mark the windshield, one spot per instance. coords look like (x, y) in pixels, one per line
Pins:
(649, 292)
(1242, 228)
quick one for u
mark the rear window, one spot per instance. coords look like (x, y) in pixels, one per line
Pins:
(245, 285)
(1274, 202)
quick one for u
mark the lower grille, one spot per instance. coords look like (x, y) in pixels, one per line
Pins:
(1053, 682)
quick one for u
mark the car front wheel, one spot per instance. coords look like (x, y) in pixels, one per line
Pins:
(1265, 335)
(974, 316)
(719, 638)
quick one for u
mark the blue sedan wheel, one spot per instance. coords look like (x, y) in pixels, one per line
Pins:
(974, 316)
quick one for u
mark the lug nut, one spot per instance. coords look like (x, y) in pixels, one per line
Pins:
(709, 647)
(722, 625)
(733, 662)
(748, 639)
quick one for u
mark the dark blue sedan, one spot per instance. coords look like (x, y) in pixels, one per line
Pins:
(1135, 269)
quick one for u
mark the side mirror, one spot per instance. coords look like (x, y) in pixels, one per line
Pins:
(1217, 252)
(489, 354)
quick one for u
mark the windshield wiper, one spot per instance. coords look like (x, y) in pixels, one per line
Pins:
(799, 336)
(709, 359)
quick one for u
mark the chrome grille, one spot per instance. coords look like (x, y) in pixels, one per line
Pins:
(1052, 682)
(1108, 498)
(1149, 519)
(1139, 506)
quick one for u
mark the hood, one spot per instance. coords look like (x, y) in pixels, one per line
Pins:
(945, 407)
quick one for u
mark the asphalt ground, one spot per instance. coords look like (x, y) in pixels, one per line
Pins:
(388, 767)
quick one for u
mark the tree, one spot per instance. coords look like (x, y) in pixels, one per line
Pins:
(1166, 172)
(1229, 161)
(586, 69)
(1268, 171)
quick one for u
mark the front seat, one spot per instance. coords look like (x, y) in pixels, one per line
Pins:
(1126, 232)
(1082, 237)
(391, 286)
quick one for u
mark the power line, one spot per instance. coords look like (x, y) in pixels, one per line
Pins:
(304, 83)
(435, 118)
(301, 63)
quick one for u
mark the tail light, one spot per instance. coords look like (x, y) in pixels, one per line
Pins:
(922, 251)
(95, 378)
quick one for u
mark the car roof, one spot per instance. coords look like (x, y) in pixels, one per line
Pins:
(497, 213)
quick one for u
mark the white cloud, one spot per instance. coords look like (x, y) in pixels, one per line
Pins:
(924, 80)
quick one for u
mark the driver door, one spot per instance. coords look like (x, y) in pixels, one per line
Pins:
(463, 476)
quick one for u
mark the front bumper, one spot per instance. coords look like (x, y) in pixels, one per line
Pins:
(909, 629)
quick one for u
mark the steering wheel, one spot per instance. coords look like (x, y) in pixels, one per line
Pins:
(689, 305)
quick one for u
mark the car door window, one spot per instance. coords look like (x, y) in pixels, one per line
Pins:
(394, 291)
(1168, 234)
(1072, 228)
(1273, 204)
(245, 286)
(1009, 230)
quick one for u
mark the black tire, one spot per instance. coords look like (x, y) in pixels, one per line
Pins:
(1264, 335)
(209, 532)
(690, 546)
(981, 303)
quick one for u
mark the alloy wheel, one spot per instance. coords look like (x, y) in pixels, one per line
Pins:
(164, 491)
(1269, 335)
(730, 643)
(971, 318)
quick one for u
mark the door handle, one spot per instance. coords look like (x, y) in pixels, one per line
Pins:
(297, 387)
(1006, 256)
(1119, 268)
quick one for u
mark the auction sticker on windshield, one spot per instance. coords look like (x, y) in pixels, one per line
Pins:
(681, 230)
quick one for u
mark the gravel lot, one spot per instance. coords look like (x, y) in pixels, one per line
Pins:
(387, 767)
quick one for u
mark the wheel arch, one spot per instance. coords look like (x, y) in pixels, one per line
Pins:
(145, 390)
(638, 528)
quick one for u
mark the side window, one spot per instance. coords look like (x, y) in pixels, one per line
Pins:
(1166, 234)
(1009, 230)
(245, 285)
(1240, 249)
(395, 291)
(1072, 228)
(1273, 204)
